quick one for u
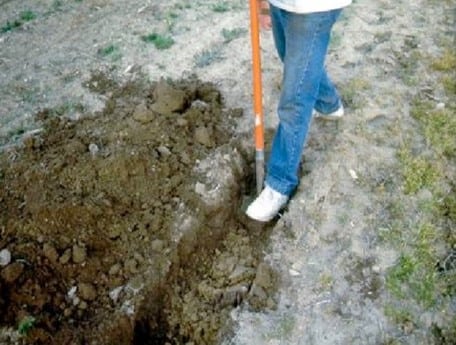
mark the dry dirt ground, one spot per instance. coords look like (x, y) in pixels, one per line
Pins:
(126, 160)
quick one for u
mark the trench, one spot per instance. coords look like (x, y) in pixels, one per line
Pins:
(126, 226)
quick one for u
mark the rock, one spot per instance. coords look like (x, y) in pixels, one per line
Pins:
(65, 257)
(168, 99)
(131, 265)
(5, 257)
(50, 252)
(87, 291)
(264, 276)
(157, 245)
(142, 114)
(12, 272)
(241, 273)
(164, 151)
(79, 254)
(115, 269)
(115, 293)
(114, 232)
(234, 295)
(203, 136)
(94, 149)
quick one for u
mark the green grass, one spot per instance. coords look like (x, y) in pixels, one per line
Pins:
(112, 51)
(421, 225)
(26, 325)
(160, 42)
(27, 16)
(352, 91)
(418, 172)
(24, 16)
(9, 26)
(221, 7)
(438, 126)
(446, 62)
(230, 35)
(208, 57)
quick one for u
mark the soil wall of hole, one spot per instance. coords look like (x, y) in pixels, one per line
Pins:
(124, 226)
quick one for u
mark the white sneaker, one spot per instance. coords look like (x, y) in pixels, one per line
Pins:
(335, 115)
(266, 205)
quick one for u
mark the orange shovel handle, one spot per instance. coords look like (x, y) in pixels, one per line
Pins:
(256, 69)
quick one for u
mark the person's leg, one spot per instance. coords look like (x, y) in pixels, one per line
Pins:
(302, 42)
(328, 99)
(306, 38)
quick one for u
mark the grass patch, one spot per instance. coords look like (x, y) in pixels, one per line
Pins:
(438, 125)
(446, 62)
(418, 172)
(27, 16)
(208, 57)
(112, 51)
(26, 325)
(351, 93)
(414, 275)
(10, 26)
(160, 42)
(24, 16)
(221, 7)
(230, 35)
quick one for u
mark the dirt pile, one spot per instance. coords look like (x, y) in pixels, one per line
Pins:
(122, 227)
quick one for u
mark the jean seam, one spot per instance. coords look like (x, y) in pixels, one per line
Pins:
(298, 94)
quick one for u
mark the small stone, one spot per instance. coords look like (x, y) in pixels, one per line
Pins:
(79, 254)
(240, 274)
(50, 252)
(93, 149)
(138, 257)
(114, 269)
(142, 114)
(157, 245)
(5, 257)
(115, 293)
(264, 276)
(87, 291)
(11, 273)
(65, 257)
(67, 312)
(203, 136)
(200, 188)
(83, 305)
(114, 232)
(131, 266)
(164, 151)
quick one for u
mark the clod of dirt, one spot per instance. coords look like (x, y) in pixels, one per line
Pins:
(124, 225)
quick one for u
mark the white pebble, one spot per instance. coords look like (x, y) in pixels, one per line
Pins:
(93, 148)
(5, 257)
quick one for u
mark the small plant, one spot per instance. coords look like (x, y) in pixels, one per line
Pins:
(27, 16)
(417, 172)
(230, 35)
(221, 7)
(24, 16)
(160, 41)
(9, 26)
(447, 62)
(351, 93)
(111, 51)
(439, 126)
(207, 57)
(26, 325)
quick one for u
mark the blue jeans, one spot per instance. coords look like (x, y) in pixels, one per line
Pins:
(302, 43)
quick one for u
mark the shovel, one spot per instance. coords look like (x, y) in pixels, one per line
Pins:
(257, 94)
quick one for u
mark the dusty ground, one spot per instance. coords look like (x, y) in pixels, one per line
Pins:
(125, 226)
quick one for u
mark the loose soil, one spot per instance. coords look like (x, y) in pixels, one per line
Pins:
(123, 225)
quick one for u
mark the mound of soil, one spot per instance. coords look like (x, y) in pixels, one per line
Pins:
(122, 227)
